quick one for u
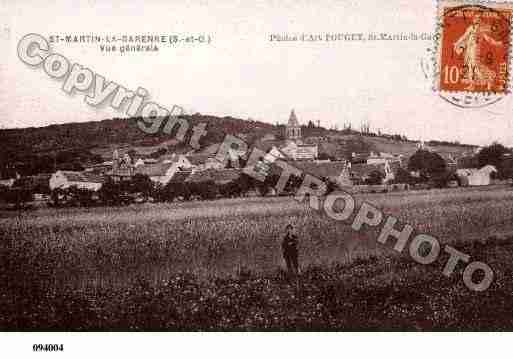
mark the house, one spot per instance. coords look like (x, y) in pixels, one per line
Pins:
(361, 172)
(267, 137)
(359, 158)
(7, 182)
(157, 172)
(121, 174)
(336, 171)
(224, 157)
(100, 168)
(163, 172)
(299, 151)
(173, 157)
(201, 162)
(450, 161)
(145, 161)
(81, 180)
(180, 176)
(475, 177)
(382, 157)
(122, 168)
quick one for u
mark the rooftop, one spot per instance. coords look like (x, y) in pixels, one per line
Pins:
(218, 176)
(75, 176)
(154, 169)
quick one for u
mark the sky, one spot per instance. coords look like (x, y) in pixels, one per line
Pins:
(242, 73)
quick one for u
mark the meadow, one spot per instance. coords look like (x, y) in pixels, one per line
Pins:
(217, 265)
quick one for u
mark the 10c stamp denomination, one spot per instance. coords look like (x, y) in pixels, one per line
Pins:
(473, 52)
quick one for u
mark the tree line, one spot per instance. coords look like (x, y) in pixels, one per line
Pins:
(140, 189)
(430, 167)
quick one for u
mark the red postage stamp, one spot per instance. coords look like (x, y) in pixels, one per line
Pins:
(474, 46)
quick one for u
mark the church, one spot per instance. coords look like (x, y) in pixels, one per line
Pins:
(294, 147)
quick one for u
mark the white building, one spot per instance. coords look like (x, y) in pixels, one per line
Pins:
(298, 151)
(163, 172)
(8, 182)
(81, 180)
(382, 158)
(474, 176)
(200, 162)
(144, 161)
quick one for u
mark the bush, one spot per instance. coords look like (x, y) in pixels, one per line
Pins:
(17, 196)
(81, 196)
(429, 164)
(115, 193)
(230, 190)
(206, 190)
(141, 184)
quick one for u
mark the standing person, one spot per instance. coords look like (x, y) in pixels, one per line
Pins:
(289, 248)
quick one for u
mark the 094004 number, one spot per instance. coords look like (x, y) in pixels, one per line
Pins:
(48, 347)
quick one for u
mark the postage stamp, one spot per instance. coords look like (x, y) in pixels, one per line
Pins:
(473, 49)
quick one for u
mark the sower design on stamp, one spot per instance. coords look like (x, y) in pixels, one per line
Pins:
(474, 47)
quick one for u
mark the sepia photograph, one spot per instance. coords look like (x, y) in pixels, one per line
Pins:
(232, 166)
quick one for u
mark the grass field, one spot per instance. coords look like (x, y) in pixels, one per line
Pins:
(217, 265)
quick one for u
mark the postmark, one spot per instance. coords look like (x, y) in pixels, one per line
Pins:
(472, 52)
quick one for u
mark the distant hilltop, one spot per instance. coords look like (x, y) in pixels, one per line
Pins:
(72, 145)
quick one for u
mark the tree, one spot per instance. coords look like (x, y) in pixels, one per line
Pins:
(429, 164)
(245, 183)
(81, 196)
(494, 155)
(204, 190)
(230, 190)
(17, 196)
(142, 184)
(174, 190)
(441, 180)
(113, 193)
(491, 155)
(403, 176)
(3, 192)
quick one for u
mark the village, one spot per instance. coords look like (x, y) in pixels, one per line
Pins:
(189, 175)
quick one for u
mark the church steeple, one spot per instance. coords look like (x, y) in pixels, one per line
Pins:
(293, 129)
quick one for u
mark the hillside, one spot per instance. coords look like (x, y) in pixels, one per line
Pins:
(35, 150)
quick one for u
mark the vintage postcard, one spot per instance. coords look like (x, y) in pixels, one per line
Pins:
(232, 166)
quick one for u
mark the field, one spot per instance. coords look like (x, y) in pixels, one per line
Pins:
(217, 265)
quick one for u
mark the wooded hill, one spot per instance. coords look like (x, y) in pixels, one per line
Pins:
(70, 146)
